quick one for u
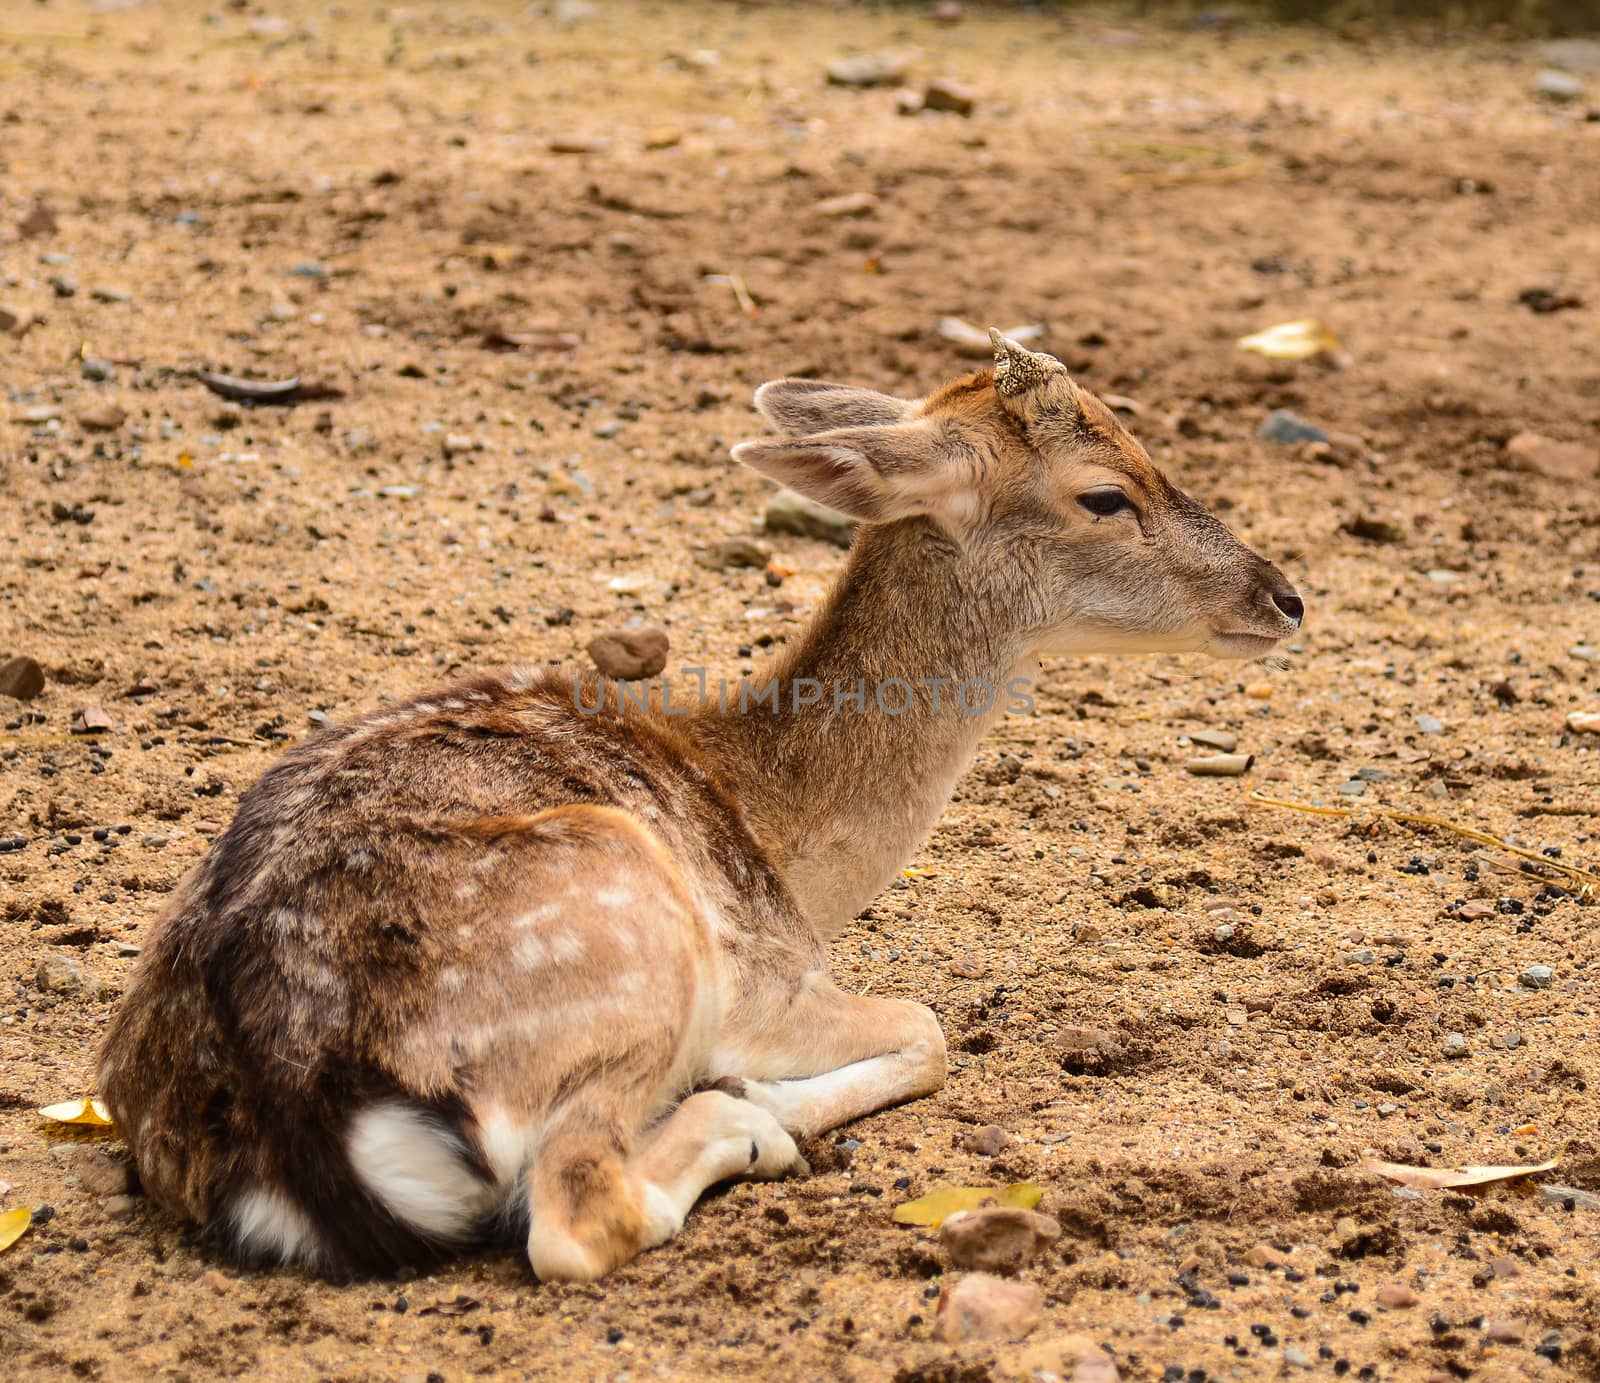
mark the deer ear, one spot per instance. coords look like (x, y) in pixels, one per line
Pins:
(874, 474)
(803, 406)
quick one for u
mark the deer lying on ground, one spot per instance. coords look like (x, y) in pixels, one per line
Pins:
(484, 962)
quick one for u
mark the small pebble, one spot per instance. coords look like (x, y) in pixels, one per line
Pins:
(1286, 429)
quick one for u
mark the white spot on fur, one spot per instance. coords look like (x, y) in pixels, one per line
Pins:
(509, 1147)
(565, 946)
(451, 977)
(616, 898)
(467, 891)
(415, 1167)
(268, 1225)
(488, 860)
(466, 933)
(529, 952)
(543, 913)
(454, 703)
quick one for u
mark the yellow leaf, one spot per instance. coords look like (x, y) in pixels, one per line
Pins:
(13, 1225)
(91, 1112)
(1443, 1178)
(1291, 340)
(933, 1209)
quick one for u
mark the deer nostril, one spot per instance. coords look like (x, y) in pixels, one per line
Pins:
(1290, 604)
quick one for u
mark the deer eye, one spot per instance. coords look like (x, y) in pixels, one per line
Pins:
(1104, 503)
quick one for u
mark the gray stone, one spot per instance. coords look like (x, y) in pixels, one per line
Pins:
(1572, 54)
(788, 512)
(1561, 1195)
(1537, 977)
(869, 69)
(1430, 725)
(1286, 428)
(1560, 87)
(1354, 788)
(1455, 1044)
(98, 371)
(309, 269)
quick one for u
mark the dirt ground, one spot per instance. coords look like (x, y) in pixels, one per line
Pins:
(366, 196)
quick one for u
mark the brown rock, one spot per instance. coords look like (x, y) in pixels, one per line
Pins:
(1079, 1039)
(1558, 460)
(38, 222)
(1505, 1267)
(971, 966)
(629, 654)
(1396, 1296)
(947, 95)
(1505, 1331)
(733, 554)
(120, 1207)
(99, 1173)
(1266, 1256)
(14, 320)
(21, 677)
(102, 417)
(1071, 1358)
(1476, 912)
(216, 1281)
(986, 1141)
(949, 12)
(983, 1307)
(997, 1238)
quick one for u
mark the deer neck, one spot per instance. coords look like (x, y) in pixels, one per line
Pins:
(841, 789)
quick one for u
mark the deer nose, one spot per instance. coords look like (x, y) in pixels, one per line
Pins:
(1290, 606)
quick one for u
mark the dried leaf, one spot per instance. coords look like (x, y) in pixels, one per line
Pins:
(506, 339)
(1443, 1178)
(292, 390)
(933, 1209)
(90, 1112)
(13, 1225)
(1292, 340)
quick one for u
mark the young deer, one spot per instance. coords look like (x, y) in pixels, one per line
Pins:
(485, 960)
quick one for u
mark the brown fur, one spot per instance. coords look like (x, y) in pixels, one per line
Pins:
(520, 934)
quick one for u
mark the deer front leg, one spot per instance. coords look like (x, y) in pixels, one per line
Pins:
(826, 1057)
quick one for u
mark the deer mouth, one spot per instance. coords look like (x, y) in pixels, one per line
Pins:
(1238, 644)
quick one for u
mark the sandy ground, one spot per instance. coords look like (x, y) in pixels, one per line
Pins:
(359, 198)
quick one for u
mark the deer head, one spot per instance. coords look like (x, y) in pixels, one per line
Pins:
(1070, 537)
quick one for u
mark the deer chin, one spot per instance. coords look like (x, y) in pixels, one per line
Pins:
(1239, 645)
